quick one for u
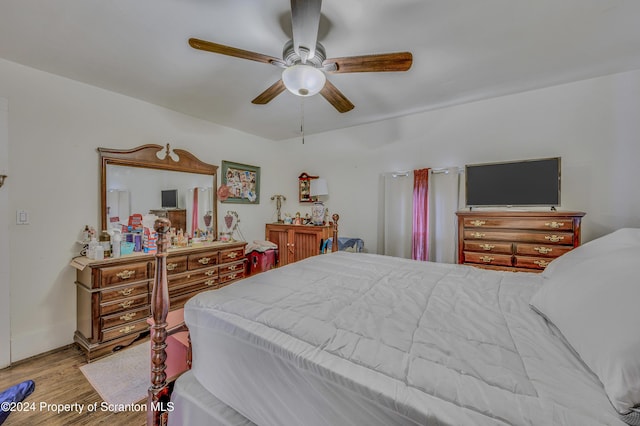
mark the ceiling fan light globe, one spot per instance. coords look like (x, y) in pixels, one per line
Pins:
(303, 80)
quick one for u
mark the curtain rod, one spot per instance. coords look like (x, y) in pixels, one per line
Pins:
(445, 170)
(439, 171)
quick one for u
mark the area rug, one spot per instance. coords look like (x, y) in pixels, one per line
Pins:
(121, 378)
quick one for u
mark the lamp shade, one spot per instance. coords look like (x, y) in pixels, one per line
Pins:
(318, 187)
(303, 80)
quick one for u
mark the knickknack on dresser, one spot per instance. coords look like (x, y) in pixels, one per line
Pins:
(113, 295)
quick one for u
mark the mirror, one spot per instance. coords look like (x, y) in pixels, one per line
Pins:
(158, 180)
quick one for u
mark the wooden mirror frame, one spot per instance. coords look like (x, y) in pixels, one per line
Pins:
(145, 156)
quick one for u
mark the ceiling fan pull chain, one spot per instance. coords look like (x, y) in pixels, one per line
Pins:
(302, 118)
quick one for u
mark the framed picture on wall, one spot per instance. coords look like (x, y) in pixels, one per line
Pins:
(304, 187)
(242, 181)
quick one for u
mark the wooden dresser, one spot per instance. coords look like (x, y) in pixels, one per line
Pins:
(516, 240)
(113, 295)
(178, 217)
(297, 242)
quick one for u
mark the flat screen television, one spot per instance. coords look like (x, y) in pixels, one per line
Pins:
(170, 199)
(514, 183)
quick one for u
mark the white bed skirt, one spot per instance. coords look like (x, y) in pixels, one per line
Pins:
(195, 406)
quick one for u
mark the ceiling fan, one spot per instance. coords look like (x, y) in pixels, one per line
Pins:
(304, 60)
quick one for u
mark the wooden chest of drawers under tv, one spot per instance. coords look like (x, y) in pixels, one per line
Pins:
(113, 295)
(516, 240)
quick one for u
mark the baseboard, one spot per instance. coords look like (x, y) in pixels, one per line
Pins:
(43, 354)
(40, 342)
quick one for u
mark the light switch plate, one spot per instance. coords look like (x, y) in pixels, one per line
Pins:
(22, 217)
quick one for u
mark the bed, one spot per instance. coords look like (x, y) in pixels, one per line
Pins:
(356, 338)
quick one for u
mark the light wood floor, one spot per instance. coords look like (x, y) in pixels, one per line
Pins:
(59, 380)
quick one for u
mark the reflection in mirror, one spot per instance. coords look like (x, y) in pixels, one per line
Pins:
(139, 190)
(133, 182)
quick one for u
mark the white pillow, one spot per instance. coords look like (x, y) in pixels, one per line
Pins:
(622, 238)
(596, 306)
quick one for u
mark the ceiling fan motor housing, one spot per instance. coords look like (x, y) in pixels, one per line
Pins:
(290, 56)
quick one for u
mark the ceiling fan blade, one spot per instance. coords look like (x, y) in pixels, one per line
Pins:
(398, 61)
(274, 90)
(305, 19)
(233, 51)
(336, 98)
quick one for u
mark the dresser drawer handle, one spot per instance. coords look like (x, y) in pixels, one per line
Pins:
(543, 250)
(541, 263)
(127, 329)
(477, 235)
(554, 225)
(210, 282)
(171, 266)
(127, 304)
(232, 255)
(232, 267)
(487, 247)
(478, 222)
(210, 273)
(554, 238)
(232, 276)
(126, 291)
(128, 317)
(126, 274)
(486, 259)
(204, 260)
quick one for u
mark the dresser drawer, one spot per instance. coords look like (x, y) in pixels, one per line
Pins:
(124, 305)
(202, 260)
(515, 236)
(176, 264)
(520, 223)
(191, 276)
(115, 275)
(178, 301)
(208, 284)
(549, 238)
(546, 250)
(488, 246)
(231, 255)
(232, 267)
(124, 292)
(488, 259)
(124, 329)
(231, 276)
(124, 317)
(531, 262)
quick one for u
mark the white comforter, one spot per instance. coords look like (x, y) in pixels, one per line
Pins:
(434, 343)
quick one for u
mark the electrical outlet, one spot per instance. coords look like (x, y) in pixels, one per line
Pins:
(22, 217)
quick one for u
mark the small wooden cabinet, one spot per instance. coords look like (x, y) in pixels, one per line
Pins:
(516, 240)
(297, 242)
(178, 217)
(113, 295)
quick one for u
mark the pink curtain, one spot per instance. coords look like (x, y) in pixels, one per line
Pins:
(420, 232)
(194, 213)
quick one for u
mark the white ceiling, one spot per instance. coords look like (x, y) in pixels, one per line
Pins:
(463, 50)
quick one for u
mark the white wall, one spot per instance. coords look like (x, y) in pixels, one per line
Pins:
(593, 125)
(5, 287)
(55, 126)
